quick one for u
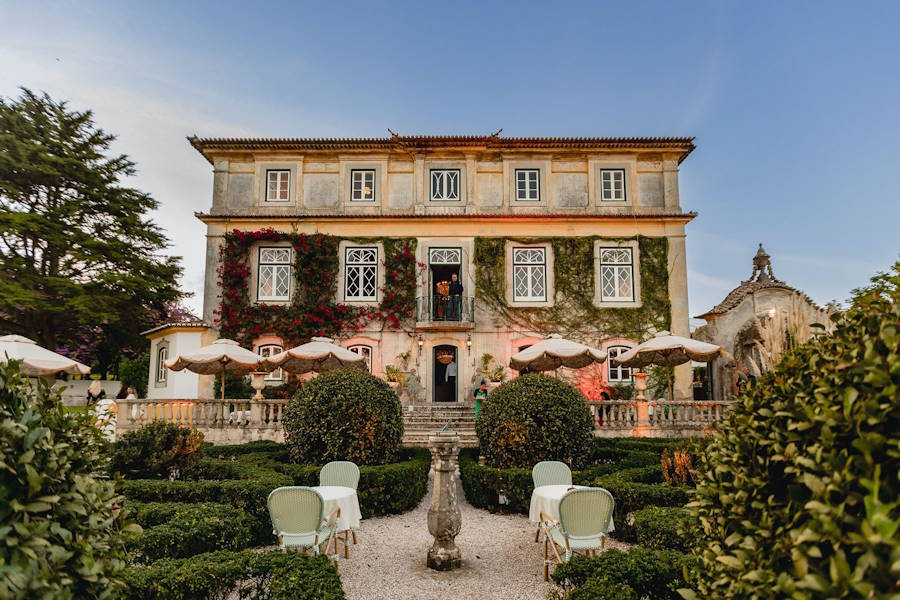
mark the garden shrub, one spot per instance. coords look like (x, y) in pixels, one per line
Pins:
(272, 575)
(62, 533)
(158, 449)
(799, 495)
(662, 528)
(638, 573)
(632, 494)
(193, 529)
(483, 485)
(345, 414)
(533, 418)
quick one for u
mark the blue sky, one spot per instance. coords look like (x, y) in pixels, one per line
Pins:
(794, 105)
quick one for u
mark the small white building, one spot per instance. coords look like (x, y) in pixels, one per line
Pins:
(169, 340)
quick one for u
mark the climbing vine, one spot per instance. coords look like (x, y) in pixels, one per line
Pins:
(574, 313)
(313, 310)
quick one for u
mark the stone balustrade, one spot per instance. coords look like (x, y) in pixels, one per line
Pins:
(221, 421)
(625, 418)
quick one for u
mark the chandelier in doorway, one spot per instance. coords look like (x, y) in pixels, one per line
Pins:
(445, 357)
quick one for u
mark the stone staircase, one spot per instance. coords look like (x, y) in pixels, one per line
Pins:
(420, 420)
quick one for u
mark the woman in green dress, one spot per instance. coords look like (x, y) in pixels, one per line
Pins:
(480, 394)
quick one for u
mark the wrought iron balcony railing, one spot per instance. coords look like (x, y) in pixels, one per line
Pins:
(445, 309)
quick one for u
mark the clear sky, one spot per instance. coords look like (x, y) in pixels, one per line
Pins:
(795, 105)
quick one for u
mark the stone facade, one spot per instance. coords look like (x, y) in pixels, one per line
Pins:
(752, 322)
(446, 192)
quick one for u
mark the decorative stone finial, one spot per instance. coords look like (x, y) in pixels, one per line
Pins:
(762, 267)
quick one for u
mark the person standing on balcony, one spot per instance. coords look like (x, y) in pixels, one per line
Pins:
(456, 290)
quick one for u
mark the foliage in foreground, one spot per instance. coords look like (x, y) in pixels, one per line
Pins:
(640, 573)
(158, 450)
(63, 533)
(533, 418)
(799, 496)
(345, 414)
(272, 575)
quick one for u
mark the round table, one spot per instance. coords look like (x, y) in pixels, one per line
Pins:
(546, 499)
(346, 499)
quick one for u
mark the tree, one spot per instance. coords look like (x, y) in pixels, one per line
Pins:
(79, 258)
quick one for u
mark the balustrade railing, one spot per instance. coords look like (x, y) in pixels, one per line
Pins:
(680, 415)
(445, 309)
(202, 414)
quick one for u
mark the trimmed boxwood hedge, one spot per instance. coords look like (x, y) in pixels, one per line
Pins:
(658, 527)
(181, 530)
(272, 575)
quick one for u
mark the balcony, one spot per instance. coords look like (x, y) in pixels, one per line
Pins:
(445, 312)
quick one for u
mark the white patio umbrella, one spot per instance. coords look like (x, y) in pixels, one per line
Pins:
(555, 352)
(668, 350)
(37, 361)
(222, 356)
(319, 355)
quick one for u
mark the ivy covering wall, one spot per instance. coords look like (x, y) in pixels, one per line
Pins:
(574, 313)
(313, 310)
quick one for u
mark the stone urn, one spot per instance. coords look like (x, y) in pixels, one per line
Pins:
(444, 517)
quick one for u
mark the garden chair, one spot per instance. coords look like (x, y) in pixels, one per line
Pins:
(550, 472)
(298, 521)
(583, 520)
(343, 473)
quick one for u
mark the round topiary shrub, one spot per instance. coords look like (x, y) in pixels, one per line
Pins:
(533, 418)
(345, 414)
(158, 450)
(62, 528)
(799, 495)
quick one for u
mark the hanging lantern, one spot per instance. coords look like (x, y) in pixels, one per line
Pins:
(445, 357)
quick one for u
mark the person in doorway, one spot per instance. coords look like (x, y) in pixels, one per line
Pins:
(95, 393)
(480, 396)
(456, 290)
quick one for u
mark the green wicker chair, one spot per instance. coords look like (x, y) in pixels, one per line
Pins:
(584, 516)
(346, 474)
(298, 521)
(550, 472)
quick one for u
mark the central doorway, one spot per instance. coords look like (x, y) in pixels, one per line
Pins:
(443, 264)
(445, 373)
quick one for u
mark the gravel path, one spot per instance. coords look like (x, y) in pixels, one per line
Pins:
(499, 558)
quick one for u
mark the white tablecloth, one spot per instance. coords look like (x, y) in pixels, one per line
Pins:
(546, 499)
(345, 498)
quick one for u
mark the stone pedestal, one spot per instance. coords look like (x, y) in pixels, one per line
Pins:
(642, 407)
(444, 518)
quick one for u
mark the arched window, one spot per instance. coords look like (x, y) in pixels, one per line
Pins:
(161, 371)
(366, 351)
(617, 373)
(266, 351)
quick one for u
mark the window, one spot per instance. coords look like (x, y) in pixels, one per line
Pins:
(362, 185)
(617, 373)
(361, 273)
(161, 371)
(616, 275)
(445, 256)
(271, 350)
(274, 274)
(529, 274)
(612, 185)
(278, 185)
(365, 351)
(528, 185)
(445, 185)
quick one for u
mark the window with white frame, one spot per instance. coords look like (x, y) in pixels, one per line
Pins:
(161, 371)
(269, 350)
(365, 351)
(361, 273)
(445, 185)
(617, 373)
(278, 186)
(612, 185)
(616, 275)
(362, 185)
(529, 274)
(274, 275)
(528, 182)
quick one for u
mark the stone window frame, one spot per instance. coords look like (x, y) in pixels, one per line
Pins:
(549, 274)
(364, 174)
(288, 264)
(342, 271)
(347, 167)
(636, 302)
(269, 173)
(272, 375)
(542, 166)
(371, 352)
(445, 165)
(262, 169)
(161, 346)
(254, 272)
(595, 184)
(619, 346)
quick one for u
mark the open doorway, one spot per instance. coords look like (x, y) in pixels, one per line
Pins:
(446, 373)
(443, 265)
